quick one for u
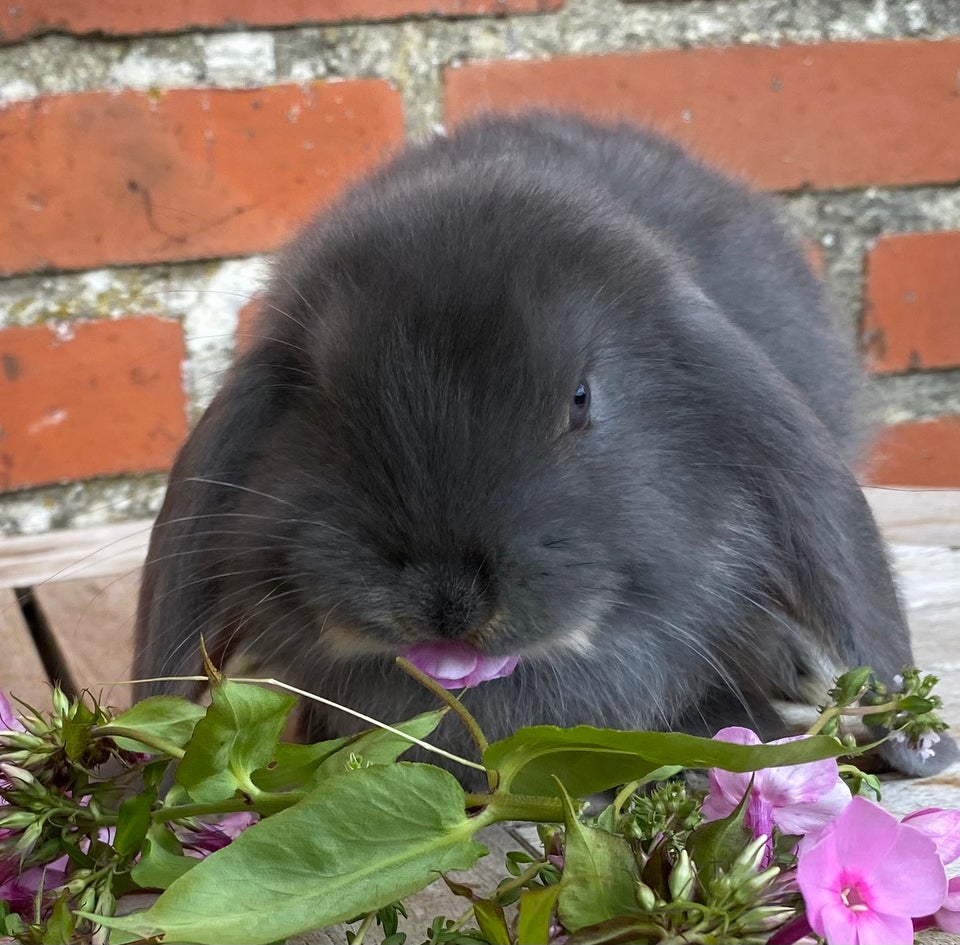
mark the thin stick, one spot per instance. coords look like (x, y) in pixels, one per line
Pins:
(334, 705)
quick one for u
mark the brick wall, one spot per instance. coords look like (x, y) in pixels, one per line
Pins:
(152, 154)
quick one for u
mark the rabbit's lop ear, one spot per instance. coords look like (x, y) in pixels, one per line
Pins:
(828, 570)
(193, 542)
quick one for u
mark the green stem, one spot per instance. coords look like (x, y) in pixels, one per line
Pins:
(151, 741)
(860, 710)
(450, 700)
(498, 806)
(364, 926)
(265, 804)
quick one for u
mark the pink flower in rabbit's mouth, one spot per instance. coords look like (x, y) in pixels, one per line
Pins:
(455, 665)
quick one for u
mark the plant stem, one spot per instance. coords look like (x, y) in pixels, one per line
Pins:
(861, 710)
(452, 702)
(265, 804)
(497, 806)
(364, 926)
(151, 741)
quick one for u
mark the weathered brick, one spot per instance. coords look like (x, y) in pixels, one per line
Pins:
(829, 115)
(247, 319)
(918, 453)
(97, 178)
(102, 398)
(912, 302)
(128, 17)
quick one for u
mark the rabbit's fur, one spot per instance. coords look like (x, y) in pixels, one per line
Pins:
(398, 457)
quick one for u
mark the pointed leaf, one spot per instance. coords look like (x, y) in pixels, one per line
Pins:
(133, 821)
(599, 874)
(380, 747)
(358, 842)
(162, 860)
(589, 760)
(169, 718)
(237, 735)
(536, 912)
(491, 922)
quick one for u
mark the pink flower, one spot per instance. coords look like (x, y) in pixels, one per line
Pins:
(943, 828)
(455, 665)
(8, 718)
(210, 837)
(797, 799)
(18, 888)
(866, 875)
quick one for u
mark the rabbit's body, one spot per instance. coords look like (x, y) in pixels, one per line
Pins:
(552, 390)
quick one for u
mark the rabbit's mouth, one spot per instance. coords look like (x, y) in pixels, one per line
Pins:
(455, 665)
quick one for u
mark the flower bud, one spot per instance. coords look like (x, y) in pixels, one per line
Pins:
(764, 918)
(646, 897)
(748, 889)
(78, 884)
(681, 878)
(61, 704)
(28, 839)
(13, 739)
(751, 856)
(16, 776)
(15, 819)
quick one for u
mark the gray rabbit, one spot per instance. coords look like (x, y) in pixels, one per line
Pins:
(550, 389)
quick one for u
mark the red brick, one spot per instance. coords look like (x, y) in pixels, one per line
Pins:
(98, 178)
(247, 319)
(831, 115)
(127, 17)
(105, 399)
(919, 453)
(912, 302)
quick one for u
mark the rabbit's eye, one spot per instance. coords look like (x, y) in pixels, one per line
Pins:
(580, 406)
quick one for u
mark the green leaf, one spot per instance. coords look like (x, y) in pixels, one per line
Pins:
(162, 860)
(293, 766)
(237, 735)
(380, 747)
(60, 926)
(536, 911)
(358, 842)
(622, 931)
(133, 821)
(599, 874)
(169, 718)
(77, 731)
(491, 922)
(589, 760)
(714, 845)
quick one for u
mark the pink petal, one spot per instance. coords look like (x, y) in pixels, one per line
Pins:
(910, 880)
(455, 665)
(876, 928)
(942, 827)
(737, 735)
(836, 923)
(947, 916)
(8, 718)
(804, 818)
(728, 787)
(864, 833)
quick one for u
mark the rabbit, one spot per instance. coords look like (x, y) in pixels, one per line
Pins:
(554, 389)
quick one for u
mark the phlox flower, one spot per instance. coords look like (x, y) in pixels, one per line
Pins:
(942, 826)
(8, 718)
(455, 665)
(210, 837)
(865, 876)
(797, 799)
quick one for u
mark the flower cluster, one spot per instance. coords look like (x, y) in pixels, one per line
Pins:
(773, 856)
(865, 877)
